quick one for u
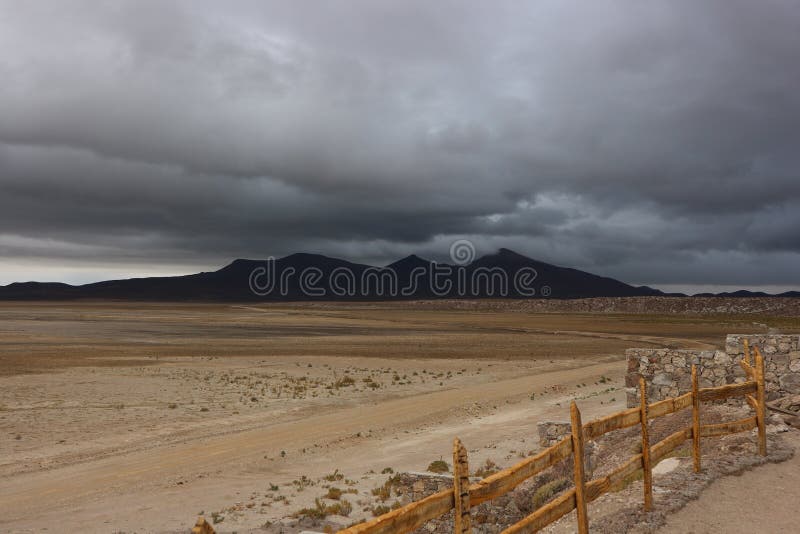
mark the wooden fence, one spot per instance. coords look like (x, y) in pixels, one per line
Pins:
(464, 495)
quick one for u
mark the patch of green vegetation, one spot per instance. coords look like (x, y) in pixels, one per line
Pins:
(439, 466)
(549, 490)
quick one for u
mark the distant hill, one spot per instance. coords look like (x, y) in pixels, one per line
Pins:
(505, 274)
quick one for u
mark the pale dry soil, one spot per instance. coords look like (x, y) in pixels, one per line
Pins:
(761, 500)
(137, 417)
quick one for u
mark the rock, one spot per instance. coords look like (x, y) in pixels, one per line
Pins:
(662, 379)
(777, 429)
(666, 465)
(790, 383)
(792, 420)
(720, 358)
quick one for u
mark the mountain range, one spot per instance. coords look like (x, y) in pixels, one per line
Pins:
(505, 274)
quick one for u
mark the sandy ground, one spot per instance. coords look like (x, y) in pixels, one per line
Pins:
(136, 418)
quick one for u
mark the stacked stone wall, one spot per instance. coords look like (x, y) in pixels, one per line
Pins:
(667, 372)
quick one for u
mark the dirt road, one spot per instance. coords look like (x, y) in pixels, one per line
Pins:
(763, 500)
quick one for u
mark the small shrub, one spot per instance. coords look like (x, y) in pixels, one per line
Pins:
(342, 508)
(317, 512)
(333, 477)
(345, 381)
(380, 510)
(439, 466)
(383, 492)
(387, 471)
(549, 490)
(172, 405)
(333, 493)
(488, 468)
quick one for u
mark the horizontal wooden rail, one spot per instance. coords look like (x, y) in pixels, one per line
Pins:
(731, 427)
(615, 421)
(728, 390)
(669, 444)
(552, 511)
(506, 480)
(409, 517)
(598, 486)
(668, 406)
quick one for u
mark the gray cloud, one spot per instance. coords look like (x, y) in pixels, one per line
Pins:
(651, 142)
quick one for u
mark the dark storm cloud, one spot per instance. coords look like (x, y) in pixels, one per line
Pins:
(656, 142)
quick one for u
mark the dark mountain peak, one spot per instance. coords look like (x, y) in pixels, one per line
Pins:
(409, 262)
(506, 257)
(234, 282)
(508, 253)
(304, 256)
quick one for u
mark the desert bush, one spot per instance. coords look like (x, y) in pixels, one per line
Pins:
(488, 468)
(345, 381)
(380, 510)
(549, 490)
(342, 508)
(439, 466)
(333, 493)
(333, 477)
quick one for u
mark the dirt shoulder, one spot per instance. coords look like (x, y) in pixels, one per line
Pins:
(763, 499)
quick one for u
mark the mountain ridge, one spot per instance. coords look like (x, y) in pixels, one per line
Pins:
(307, 276)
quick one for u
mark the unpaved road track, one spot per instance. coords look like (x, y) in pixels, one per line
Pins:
(763, 500)
(71, 487)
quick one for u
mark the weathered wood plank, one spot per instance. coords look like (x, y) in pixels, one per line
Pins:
(409, 517)
(598, 486)
(695, 420)
(749, 371)
(728, 390)
(580, 474)
(615, 421)
(761, 404)
(647, 472)
(550, 512)
(625, 470)
(202, 527)
(506, 480)
(731, 427)
(752, 402)
(668, 406)
(462, 523)
(669, 444)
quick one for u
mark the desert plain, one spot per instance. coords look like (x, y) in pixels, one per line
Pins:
(138, 417)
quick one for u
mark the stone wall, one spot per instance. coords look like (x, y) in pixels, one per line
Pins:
(551, 432)
(668, 372)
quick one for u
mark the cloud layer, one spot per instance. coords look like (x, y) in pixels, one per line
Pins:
(653, 142)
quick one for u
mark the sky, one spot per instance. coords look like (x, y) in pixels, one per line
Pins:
(654, 142)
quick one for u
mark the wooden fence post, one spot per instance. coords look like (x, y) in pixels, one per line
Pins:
(695, 420)
(646, 467)
(747, 356)
(461, 523)
(202, 527)
(580, 477)
(761, 404)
